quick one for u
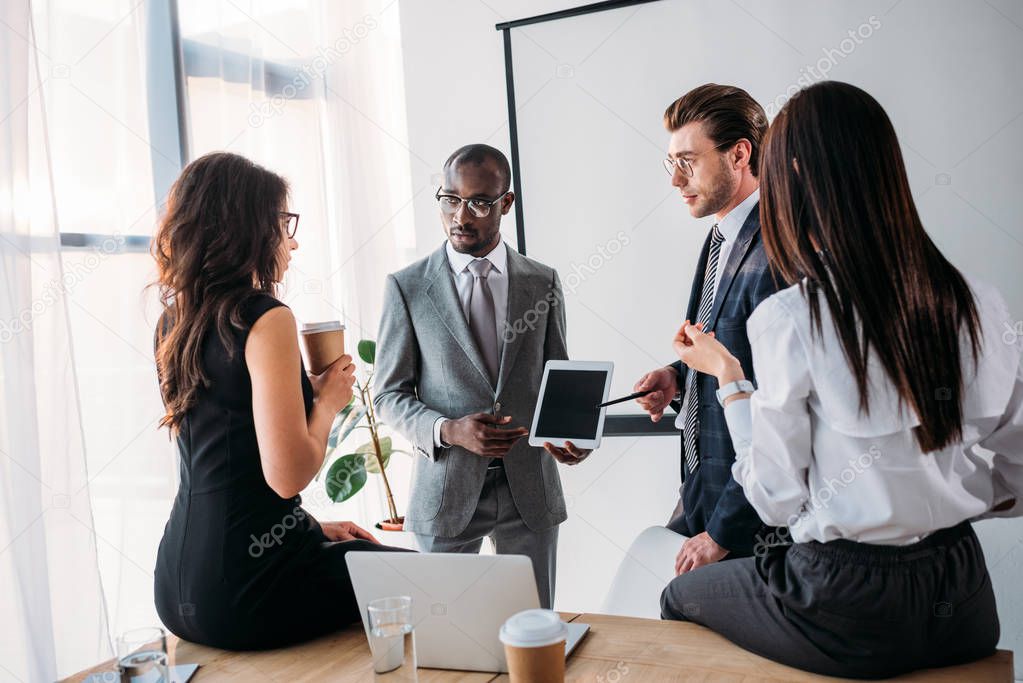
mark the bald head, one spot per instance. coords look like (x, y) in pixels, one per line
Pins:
(486, 158)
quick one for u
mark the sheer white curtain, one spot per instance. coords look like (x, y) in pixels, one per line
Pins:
(104, 159)
(314, 90)
(51, 601)
(309, 88)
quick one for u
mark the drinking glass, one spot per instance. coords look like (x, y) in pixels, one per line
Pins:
(392, 639)
(140, 651)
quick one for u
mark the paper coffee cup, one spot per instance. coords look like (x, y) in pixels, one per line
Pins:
(534, 645)
(324, 343)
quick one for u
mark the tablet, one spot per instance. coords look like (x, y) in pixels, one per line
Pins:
(567, 408)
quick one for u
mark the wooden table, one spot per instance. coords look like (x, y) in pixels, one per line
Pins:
(616, 649)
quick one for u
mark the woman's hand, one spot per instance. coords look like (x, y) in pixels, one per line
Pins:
(333, 386)
(700, 351)
(346, 531)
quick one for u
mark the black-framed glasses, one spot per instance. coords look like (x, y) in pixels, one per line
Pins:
(683, 165)
(451, 203)
(290, 223)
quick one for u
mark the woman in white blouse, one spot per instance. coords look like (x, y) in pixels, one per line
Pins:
(881, 371)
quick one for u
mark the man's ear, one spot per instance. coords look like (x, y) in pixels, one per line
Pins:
(506, 203)
(743, 150)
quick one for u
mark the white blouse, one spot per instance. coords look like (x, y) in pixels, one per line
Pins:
(807, 458)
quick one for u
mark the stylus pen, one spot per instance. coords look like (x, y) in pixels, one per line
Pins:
(623, 399)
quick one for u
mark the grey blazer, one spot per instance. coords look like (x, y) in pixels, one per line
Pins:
(428, 366)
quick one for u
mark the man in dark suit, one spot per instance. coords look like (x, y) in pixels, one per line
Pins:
(712, 158)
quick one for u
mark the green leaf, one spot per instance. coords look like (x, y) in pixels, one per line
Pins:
(368, 351)
(351, 423)
(385, 454)
(339, 421)
(346, 477)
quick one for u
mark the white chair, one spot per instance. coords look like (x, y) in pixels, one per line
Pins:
(648, 567)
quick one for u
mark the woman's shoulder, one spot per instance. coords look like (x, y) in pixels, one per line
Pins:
(785, 309)
(252, 307)
(791, 306)
(1001, 344)
(251, 310)
(991, 306)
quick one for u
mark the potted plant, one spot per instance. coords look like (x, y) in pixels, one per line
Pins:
(348, 473)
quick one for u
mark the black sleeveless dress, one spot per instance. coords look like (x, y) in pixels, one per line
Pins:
(239, 567)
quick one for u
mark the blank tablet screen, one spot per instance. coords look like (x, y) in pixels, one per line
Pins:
(569, 409)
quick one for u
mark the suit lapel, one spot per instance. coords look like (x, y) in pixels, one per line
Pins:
(520, 298)
(444, 297)
(735, 258)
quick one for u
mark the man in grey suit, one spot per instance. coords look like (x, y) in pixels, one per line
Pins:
(463, 340)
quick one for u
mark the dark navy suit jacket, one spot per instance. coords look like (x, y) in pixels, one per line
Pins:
(710, 499)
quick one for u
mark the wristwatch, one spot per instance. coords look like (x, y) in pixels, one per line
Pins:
(733, 388)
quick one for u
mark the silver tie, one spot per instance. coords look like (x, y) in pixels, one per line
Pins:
(482, 317)
(690, 431)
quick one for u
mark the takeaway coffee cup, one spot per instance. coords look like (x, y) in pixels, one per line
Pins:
(324, 343)
(534, 645)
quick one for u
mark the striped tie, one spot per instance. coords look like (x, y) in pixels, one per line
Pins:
(690, 431)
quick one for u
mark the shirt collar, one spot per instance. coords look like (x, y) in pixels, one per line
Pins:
(498, 258)
(733, 221)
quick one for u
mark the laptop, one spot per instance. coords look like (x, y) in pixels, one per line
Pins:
(459, 602)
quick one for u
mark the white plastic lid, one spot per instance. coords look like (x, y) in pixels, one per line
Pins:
(533, 628)
(328, 326)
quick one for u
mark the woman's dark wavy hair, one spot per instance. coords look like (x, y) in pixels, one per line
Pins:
(219, 243)
(832, 175)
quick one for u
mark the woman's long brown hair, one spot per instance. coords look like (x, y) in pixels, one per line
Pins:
(836, 209)
(219, 243)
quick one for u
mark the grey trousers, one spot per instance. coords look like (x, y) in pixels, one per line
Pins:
(497, 518)
(849, 609)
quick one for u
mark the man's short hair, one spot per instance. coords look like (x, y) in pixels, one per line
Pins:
(478, 154)
(728, 115)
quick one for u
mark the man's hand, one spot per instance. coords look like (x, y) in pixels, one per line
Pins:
(664, 383)
(569, 455)
(478, 433)
(696, 552)
(346, 531)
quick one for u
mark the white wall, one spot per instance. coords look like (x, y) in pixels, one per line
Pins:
(454, 68)
(591, 139)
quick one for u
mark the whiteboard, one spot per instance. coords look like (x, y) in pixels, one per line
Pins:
(590, 92)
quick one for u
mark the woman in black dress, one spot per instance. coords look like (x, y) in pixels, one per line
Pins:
(241, 564)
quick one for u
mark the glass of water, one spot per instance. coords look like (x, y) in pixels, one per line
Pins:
(392, 640)
(141, 651)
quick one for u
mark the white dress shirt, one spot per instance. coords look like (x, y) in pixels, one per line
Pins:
(729, 226)
(807, 458)
(497, 280)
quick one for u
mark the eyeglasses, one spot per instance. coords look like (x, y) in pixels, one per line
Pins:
(451, 203)
(683, 165)
(290, 223)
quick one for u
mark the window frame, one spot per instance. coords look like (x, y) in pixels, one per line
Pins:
(170, 59)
